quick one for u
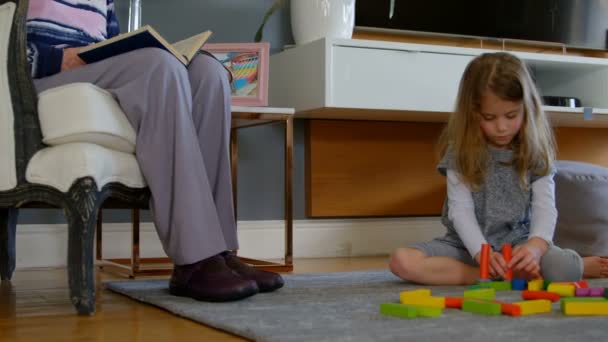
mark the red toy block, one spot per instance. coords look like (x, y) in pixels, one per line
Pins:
(530, 295)
(484, 267)
(506, 254)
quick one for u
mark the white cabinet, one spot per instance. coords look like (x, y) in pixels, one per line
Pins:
(363, 79)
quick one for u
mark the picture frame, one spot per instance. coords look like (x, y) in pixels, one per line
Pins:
(248, 63)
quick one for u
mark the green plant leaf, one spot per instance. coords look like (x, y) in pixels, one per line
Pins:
(275, 6)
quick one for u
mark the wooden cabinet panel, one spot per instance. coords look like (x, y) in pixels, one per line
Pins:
(371, 168)
(379, 168)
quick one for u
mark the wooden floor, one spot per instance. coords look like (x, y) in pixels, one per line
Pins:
(35, 307)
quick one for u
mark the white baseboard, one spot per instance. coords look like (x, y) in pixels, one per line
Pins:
(46, 245)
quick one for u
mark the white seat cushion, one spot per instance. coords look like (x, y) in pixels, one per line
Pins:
(83, 112)
(59, 166)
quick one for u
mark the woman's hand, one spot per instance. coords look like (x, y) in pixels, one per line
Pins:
(498, 265)
(526, 258)
(71, 59)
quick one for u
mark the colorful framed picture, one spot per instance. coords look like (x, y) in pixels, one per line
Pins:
(248, 63)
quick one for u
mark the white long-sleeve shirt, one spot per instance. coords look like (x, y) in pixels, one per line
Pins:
(462, 211)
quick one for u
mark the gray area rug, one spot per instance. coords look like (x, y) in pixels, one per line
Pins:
(345, 307)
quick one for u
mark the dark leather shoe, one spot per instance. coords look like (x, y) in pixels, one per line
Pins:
(267, 281)
(210, 280)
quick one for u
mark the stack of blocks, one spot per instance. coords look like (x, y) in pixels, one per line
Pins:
(576, 297)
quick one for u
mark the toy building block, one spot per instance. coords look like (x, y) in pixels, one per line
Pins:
(529, 295)
(425, 311)
(481, 307)
(487, 294)
(531, 307)
(398, 310)
(484, 265)
(582, 299)
(507, 254)
(586, 308)
(453, 302)
(509, 309)
(565, 290)
(546, 284)
(596, 292)
(582, 292)
(434, 302)
(519, 284)
(415, 293)
(577, 284)
(536, 285)
(497, 285)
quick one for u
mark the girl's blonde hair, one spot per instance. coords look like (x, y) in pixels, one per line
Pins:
(508, 78)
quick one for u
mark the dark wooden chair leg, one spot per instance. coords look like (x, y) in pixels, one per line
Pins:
(8, 231)
(81, 214)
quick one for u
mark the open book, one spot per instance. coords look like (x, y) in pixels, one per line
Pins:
(146, 36)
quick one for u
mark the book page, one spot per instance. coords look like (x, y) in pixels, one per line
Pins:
(190, 46)
(126, 42)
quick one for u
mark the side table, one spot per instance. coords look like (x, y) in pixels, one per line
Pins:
(242, 117)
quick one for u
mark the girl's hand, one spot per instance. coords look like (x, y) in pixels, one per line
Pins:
(71, 59)
(498, 265)
(526, 258)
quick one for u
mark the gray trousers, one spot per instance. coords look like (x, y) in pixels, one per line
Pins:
(556, 265)
(182, 120)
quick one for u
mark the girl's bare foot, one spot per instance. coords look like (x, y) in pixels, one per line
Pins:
(595, 267)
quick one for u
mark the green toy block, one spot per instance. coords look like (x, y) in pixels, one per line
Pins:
(426, 311)
(481, 307)
(546, 284)
(398, 310)
(488, 294)
(501, 285)
(583, 299)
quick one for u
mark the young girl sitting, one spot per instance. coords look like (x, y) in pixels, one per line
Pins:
(498, 154)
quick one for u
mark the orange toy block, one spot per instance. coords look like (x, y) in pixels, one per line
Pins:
(530, 295)
(564, 290)
(453, 302)
(509, 309)
(531, 307)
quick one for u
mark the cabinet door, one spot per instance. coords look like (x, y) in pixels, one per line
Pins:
(394, 79)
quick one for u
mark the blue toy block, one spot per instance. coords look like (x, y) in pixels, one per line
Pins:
(519, 284)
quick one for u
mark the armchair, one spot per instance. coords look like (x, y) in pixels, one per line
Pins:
(50, 157)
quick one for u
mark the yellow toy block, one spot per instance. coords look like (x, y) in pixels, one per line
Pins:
(564, 290)
(536, 285)
(487, 294)
(433, 302)
(531, 307)
(599, 308)
(415, 293)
